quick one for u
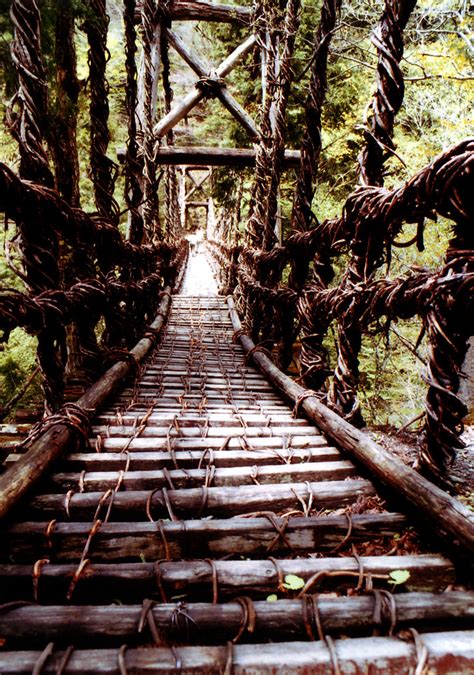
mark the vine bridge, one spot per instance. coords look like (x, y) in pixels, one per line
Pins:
(196, 509)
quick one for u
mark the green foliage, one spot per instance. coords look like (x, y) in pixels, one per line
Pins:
(17, 362)
(398, 577)
(293, 582)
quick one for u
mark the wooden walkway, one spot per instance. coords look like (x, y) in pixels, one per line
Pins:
(209, 530)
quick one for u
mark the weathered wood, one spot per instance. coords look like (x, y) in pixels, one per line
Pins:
(191, 417)
(214, 623)
(193, 579)
(93, 481)
(182, 109)
(26, 542)
(216, 501)
(238, 157)
(446, 514)
(146, 461)
(446, 652)
(224, 441)
(16, 482)
(199, 10)
(225, 97)
(200, 429)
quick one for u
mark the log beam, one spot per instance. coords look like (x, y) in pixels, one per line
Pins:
(199, 156)
(284, 619)
(200, 10)
(453, 650)
(451, 519)
(193, 578)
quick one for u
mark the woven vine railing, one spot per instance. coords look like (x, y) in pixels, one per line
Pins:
(363, 299)
(81, 276)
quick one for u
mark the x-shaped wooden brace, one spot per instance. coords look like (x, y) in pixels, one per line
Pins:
(198, 184)
(209, 80)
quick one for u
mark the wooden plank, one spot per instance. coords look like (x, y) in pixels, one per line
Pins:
(146, 461)
(450, 518)
(200, 428)
(26, 542)
(211, 623)
(223, 501)
(16, 482)
(93, 481)
(214, 419)
(193, 579)
(236, 442)
(238, 157)
(199, 10)
(451, 651)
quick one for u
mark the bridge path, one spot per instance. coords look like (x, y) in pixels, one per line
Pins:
(181, 541)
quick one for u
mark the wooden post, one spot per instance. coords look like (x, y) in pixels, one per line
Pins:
(182, 197)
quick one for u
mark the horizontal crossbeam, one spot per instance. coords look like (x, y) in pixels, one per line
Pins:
(204, 157)
(199, 10)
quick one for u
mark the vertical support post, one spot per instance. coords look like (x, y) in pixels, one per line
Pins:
(148, 106)
(103, 169)
(133, 165)
(182, 197)
(367, 245)
(39, 239)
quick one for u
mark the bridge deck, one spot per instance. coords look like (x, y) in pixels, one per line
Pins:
(168, 547)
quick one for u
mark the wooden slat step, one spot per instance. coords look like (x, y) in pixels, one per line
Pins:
(217, 443)
(215, 501)
(194, 579)
(172, 406)
(196, 431)
(211, 419)
(26, 542)
(451, 651)
(143, 461)
(195, 397)
(187, 478)
(217, 623)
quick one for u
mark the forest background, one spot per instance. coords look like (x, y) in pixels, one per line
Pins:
(437, 112)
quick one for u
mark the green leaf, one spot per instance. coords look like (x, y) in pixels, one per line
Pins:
(293, 582)
(399, 576)
(272, 598)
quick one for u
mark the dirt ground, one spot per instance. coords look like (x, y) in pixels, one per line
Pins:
(461, 473)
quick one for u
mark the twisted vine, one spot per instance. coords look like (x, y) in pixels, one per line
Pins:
(133, 165)
(103, 169)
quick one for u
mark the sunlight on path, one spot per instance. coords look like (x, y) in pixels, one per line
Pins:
(198, 278)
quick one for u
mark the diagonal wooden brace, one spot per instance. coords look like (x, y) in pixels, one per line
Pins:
(194, 97)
